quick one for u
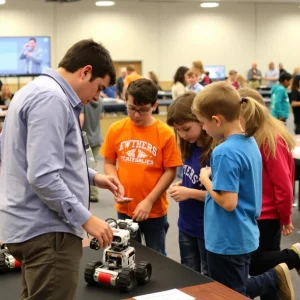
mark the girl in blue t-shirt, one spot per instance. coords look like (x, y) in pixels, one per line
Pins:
(195, 146)
(234, 193)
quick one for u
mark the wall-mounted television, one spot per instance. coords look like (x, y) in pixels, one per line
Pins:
(24, 56)
(216, 72)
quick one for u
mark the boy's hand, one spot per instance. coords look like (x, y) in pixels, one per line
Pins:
(110, 183)
(287, 229)
(205, 173)
(179, 193)
(142, 211)
(178, 183)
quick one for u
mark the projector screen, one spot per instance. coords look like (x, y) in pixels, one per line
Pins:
(217, 72)
(27, 55)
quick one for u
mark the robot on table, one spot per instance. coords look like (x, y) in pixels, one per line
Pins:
(7, 261)
(118, 268)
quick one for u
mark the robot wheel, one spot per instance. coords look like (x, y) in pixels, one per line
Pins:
(143, 272)
(90, 270)
(3, 266)
(126, 280)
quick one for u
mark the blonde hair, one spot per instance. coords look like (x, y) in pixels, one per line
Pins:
(198, 65)
(267, 134)
(241, 80)
(153, 77)
(179, 113)
(6, 87)
(220, 98)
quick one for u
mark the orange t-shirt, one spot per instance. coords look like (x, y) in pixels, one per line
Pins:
(142, 153)
(132, 77)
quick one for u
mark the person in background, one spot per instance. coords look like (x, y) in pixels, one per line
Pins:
(44, 189)
(281, 69)
(192, 81)
(141, 151)
(207, 74)
(154, 78)
(132, 75)
(203, 79)
(196, 147)
(232, 79)
(120, 83)
(234, 190)
(280, 106)
(275, 144)
(271, 76)
(296, 71)
(109, 92)
(242, 83)
(179, 82)
(295, 102)
(6, 95)
(90, 118)
(33, 56)
(254, 77)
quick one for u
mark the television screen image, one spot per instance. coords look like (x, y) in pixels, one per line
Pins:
(21, 56)
(217, 72)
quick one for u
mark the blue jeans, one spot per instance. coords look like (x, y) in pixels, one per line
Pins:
(233, 270)
(193, 253)
(153, 230)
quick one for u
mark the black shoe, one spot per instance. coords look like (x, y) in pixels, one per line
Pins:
(94, 200)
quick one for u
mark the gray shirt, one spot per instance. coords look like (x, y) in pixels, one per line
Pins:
(91, 123)
(44, 181)
(272, 74)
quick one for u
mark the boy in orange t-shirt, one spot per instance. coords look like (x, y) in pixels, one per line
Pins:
(147, 156)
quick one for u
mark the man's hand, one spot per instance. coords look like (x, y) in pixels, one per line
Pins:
(142, 211)
(29, 54)
(205, 173)
(110, 183)
(179, 193)
(287, 229)
(99, 230)
(25, 46)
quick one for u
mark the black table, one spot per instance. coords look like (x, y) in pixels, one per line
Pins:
(167, 274)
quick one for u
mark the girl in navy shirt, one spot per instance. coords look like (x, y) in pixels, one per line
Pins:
(195, 146)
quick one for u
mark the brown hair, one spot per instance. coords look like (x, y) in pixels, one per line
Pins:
(191, 73)
(220, 98)
(143, 91)
(199, 66)
(179, 113)
(153, 77)
(88, 52)
(267, 134)
(130, 68)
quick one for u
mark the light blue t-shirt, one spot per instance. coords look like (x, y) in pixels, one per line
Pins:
(236, 167)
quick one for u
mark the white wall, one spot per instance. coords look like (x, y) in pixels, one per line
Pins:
(165, 35)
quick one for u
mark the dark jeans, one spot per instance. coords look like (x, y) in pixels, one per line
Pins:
(233, 270)
(154, 232)
(297, 128)
(50, 265)
(193, 253)
(268, 255)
